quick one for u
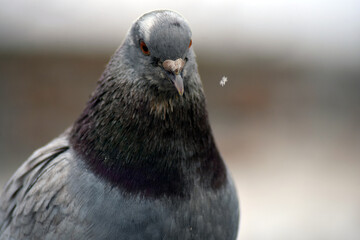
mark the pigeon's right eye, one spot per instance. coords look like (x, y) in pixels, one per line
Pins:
(144, 48)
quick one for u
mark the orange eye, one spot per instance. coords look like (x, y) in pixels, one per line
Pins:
(144, 48)
(190, 43)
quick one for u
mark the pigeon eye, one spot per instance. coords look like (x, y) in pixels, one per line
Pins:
(144, 48)
(190, 43)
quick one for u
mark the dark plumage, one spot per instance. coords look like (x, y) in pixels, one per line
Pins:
(139, 163)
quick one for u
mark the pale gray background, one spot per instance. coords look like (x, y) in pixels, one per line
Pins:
(287, 122)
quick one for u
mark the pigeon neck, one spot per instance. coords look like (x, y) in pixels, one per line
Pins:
(147, 143)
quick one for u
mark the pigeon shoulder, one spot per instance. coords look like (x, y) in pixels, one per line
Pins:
(35, 202)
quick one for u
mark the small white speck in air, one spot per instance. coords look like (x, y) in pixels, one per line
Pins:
(223, 81)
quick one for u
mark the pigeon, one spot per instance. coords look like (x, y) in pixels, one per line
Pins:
(140, 162)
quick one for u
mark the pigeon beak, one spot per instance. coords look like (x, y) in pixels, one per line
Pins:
(174, 69)
(179, 84)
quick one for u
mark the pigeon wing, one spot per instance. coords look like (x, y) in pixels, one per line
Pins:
(35, 201)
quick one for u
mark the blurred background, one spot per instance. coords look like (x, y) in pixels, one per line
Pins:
(287, 122)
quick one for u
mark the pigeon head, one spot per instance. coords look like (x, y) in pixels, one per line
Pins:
(158, 47)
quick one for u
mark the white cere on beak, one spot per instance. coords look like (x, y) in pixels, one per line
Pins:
(174, 66)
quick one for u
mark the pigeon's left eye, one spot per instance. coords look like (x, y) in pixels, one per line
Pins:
(144, 48)
(190, 43)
